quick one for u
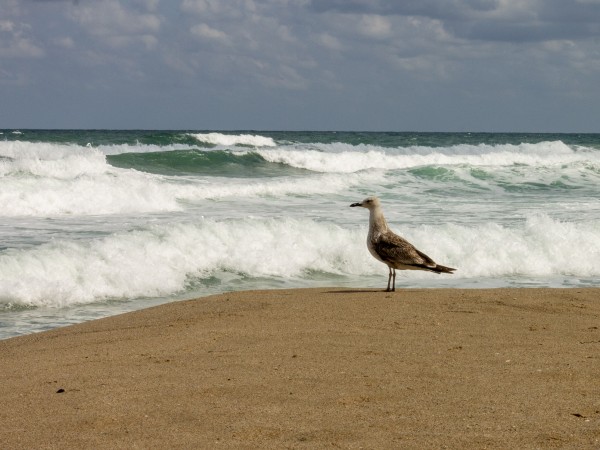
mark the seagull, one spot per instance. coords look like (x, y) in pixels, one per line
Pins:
(391, 249)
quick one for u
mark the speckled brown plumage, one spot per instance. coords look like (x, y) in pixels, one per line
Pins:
(393, 250)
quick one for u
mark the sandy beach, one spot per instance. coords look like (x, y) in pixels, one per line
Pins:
(315, 368)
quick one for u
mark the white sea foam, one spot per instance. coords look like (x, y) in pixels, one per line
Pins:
(118, 149)
(46, 151)
(49, 160)
(45, 179)
(228, 140)
(40, 150)
(102, 194)
(346, 158)
(51, 179)
(139, 192)
(166, 259)
(275, 187)
(540, 247)
(161, 261)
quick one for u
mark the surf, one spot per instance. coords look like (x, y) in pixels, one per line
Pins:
(347, 158)
(169, 259)
(44, 179)
(229, 140)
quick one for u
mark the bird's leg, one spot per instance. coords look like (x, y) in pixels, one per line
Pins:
(394, 280)
(389, 279)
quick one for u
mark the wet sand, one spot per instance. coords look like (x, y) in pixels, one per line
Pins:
(315, 368)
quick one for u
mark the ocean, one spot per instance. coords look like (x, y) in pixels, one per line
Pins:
(95, 223)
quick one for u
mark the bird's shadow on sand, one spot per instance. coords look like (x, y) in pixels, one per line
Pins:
(357, 291)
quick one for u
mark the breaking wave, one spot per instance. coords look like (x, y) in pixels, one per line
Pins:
(164, 260)
(346, 158)
(228, 140)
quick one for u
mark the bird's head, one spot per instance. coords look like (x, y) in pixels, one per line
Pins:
(369, 203)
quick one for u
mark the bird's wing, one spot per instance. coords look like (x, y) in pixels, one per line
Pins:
(427, 260)
(395, 250)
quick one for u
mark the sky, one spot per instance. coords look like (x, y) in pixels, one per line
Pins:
(363, 65)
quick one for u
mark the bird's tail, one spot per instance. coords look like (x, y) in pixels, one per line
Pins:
(443, 269)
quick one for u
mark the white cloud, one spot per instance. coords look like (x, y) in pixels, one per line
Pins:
(16, 41)
(7, 26)
(150, 5)
(201, 6)
(21, 48)
(118, 25)
(330, 42)
(65, 42)
(231, 8)
(261, 41)
(203, 31)
(375, 26)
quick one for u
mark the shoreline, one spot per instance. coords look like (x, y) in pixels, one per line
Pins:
(317, 367)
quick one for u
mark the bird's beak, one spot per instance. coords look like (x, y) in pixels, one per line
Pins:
(355, 204)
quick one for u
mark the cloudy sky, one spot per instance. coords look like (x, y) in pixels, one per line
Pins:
(399, 65)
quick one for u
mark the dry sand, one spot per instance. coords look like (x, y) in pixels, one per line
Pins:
(315, 368)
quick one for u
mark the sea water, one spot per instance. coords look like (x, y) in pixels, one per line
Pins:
(94, 223)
